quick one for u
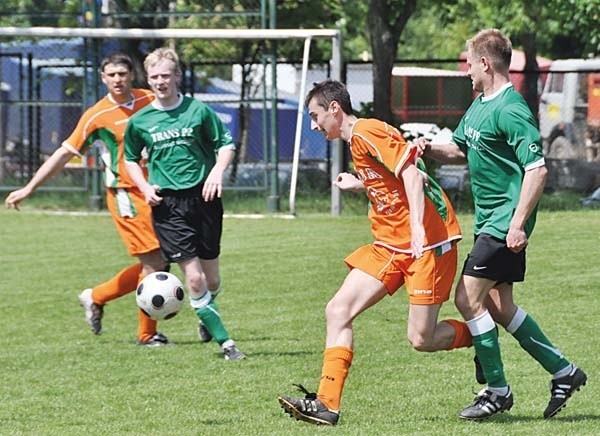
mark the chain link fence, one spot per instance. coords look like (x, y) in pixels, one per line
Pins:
(47, 84)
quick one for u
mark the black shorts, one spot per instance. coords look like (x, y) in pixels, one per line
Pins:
(491, 259)
(187, 226)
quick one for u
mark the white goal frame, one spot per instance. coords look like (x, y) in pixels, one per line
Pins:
(236, 34)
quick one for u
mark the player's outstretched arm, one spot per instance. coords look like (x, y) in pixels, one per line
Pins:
(446, 153)
(55, 163)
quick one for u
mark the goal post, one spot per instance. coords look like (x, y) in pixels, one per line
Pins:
(307, 35)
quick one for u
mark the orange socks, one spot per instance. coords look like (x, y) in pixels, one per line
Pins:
(336, 363)
(146, 327)
(123, 283)
(462, 335)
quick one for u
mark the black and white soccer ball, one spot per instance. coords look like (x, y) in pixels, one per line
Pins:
(160, 295)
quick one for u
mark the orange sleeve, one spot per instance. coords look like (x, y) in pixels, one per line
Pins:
(78, 142)
(385, 143)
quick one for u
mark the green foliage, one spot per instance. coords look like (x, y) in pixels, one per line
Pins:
(576, 26)
(561, 200)
(60, 379)
(365, 110)
(574, 23)
(428, 34)
(332, 14)
(436, 30)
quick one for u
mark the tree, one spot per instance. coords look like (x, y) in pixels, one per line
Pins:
(535, 26)
(575, 31)
(31, 12)
(386, 20)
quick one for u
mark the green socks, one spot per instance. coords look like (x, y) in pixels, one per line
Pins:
(211, 318)
(534, 341)
(485, 340)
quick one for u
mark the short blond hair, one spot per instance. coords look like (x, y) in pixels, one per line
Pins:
(492, 44)
(161, 54)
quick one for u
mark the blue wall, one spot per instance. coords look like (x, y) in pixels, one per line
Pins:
(312, 145)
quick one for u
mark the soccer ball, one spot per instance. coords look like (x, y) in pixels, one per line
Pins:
(160, 295)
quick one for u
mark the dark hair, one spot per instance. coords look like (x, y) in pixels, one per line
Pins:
(117, 59)
(327, 91)
(492, 43)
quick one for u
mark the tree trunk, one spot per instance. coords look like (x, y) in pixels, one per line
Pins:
(132, 46)
(530, 93)
(386, 20)
(384, 53)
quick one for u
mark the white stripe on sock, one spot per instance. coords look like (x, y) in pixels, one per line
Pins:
(481, 324)
(517, 320)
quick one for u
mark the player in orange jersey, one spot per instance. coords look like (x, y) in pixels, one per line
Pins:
(415, 235)
(105, 123)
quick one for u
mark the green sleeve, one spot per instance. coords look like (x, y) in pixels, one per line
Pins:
(133, 143)
(519, 127)
(215, 131)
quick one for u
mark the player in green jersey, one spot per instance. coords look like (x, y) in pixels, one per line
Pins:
(499, 139)
(188, 150)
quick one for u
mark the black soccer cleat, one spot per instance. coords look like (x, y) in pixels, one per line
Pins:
(308, 409)
(486, 404)
(561, 390)
(158, 340)
(231, 352)
(203, 333)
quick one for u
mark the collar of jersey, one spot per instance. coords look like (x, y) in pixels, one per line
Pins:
(497, 93)
(158, 106)
(128, 103)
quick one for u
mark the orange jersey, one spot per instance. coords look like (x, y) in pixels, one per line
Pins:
(105, 122)
(379, 152)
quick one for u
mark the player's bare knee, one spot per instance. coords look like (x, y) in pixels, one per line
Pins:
(462, 302)
(196, 282)
(213, 283)
(336, 312)
(421, 343)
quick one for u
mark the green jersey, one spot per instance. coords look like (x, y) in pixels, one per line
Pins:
(181, 142)
(500, 139)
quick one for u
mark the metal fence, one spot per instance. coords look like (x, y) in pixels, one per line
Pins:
(47, 84)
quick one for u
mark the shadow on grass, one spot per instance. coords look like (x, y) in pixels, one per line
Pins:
(507, 418)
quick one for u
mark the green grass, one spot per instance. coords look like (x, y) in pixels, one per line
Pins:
(59, 379)
(311, 199)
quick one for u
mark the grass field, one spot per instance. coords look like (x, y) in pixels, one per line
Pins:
(59, 379)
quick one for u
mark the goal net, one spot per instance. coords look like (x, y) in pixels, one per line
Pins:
(49, 75)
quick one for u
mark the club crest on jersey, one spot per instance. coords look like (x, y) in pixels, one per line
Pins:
(384, 203)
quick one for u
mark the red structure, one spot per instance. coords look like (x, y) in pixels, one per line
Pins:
(430, 95)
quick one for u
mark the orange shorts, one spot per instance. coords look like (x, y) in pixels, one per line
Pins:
(428, 280)
(133, 219)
